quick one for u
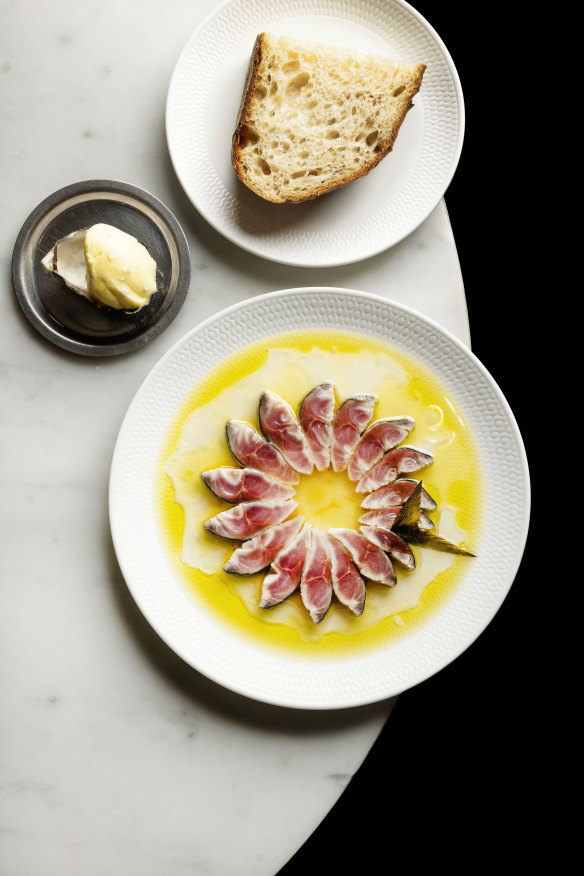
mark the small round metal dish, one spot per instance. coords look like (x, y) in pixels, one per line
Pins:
(71, 321)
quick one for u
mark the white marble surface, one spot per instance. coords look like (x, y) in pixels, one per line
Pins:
(115, 756)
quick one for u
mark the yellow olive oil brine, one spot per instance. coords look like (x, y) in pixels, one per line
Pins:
(292, 364)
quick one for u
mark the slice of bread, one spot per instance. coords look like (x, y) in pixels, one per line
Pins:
(315, 117)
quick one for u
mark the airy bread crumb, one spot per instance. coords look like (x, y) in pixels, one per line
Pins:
(315, 117)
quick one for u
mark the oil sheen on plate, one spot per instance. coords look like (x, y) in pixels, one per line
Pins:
(291, 365)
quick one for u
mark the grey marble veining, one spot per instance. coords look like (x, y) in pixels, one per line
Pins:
(116, 757)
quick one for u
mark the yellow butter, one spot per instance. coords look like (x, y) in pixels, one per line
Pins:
(121, 273)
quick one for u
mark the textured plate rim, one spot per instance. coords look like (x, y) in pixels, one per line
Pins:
(114, 186)
(282, 698)
(263, 251)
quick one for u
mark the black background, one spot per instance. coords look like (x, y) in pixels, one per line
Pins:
(467, 788)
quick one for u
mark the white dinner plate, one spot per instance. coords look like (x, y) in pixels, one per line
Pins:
(359, 220)
(242, 663)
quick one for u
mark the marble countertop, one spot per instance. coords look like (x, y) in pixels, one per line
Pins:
(116, 756)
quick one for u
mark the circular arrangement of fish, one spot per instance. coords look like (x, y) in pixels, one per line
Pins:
(296, 555)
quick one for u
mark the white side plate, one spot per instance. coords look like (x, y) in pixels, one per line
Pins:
(357, 221)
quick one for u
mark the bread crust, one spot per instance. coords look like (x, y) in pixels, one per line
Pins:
(244, 117)
(246, 100)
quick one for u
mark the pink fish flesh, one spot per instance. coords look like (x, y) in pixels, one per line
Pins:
(396, 494)
(380, 437)
(348, 585)
(401, 460)
(316, 419)
(279, 424)
(245, 485)
(258, 552)
(392, 544)
(284, 575)
(371, 561)
(248, 518)
(350, 421)
(385, 517)
(251, 450)
(316, 588)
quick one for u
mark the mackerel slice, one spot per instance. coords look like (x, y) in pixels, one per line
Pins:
(279, 424)
(402, 460)
(348, 585)
(392, 544)
(316, 587)
(371, 561)
(396, 494)
(316, 419)
(378, 438)
(350, 421)
(245, 485)
(260, 551)
(250, 449)
(248, 518)
(284, 576)
(385, 518)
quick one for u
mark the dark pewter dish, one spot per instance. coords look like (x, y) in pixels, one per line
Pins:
(71, 321)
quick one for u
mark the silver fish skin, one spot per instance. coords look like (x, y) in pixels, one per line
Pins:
(258, 552)
(400, 460)
(377, 439)
(279, 424)
(253, 451)
(316, 419)
(351, 419)
(248, 518)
